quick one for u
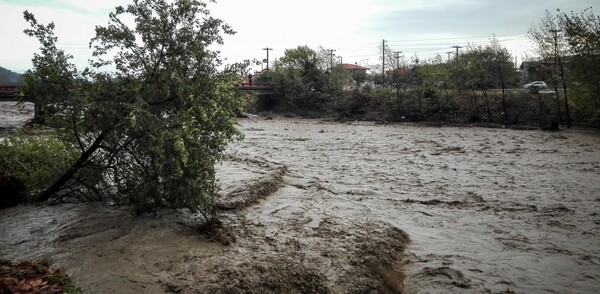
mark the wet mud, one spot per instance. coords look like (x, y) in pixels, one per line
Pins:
(320, 207)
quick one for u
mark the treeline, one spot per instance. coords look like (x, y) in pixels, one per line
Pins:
(8, 77)
(481, 84)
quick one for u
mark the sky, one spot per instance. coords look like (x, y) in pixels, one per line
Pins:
(353, 28)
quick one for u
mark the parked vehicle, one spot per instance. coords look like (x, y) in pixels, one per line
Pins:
(535, 86)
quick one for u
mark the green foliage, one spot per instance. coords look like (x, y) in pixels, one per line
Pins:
(151, 132)
(37, 160)
(305, 81)
(582, 33)
(472, 87)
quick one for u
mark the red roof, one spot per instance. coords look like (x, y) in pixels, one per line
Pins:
(349, 66)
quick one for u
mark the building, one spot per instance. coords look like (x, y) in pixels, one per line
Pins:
(355, 69)
(357, 72)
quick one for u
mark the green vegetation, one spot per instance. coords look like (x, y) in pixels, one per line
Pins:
(305, 81)
(432, 90)
(37, 160)
(148, 133)
(481, 84)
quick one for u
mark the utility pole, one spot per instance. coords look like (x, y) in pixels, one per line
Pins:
(397, 58)
(449, 52)
(331, 58)
(267, 49)
(555, 77)
(457, 47)
(562, 76)
(383, 60)
(397, 82)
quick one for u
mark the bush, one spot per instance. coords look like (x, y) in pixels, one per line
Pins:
(35, 160)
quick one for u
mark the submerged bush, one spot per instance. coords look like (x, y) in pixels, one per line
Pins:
(35, 160)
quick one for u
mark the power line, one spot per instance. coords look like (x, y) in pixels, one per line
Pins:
(452, 38)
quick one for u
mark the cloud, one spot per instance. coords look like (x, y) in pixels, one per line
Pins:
(76, 6)
(353, 27)
(466, 17)
(73, 29)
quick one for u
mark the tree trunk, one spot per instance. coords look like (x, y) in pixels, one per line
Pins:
(539, 117)
(474, 106)
(503, 95)
(562, 77)
(399, 100)
(412, 114)
(557, 102)
(38, 115)
(597, 96)
(81, 162)
(487, 106)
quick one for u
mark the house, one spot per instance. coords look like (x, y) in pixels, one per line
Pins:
(357, 72)
(355, 69)
(536, 70)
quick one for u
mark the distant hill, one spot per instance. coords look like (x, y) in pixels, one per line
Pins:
(9, 77)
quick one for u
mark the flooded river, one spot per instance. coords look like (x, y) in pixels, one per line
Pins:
(356, 207)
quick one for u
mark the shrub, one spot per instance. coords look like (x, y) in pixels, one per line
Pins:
(36, 160)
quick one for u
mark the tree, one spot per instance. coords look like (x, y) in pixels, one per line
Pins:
(489, 67)
(305, 81)
(503, 71)
(552, 46)
(151, 132)
(582, 33)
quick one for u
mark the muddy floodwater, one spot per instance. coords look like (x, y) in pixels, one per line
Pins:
(352, 207)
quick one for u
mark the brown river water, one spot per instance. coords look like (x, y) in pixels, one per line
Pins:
(350, 207)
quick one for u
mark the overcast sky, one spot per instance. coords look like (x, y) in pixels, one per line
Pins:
(351, 27)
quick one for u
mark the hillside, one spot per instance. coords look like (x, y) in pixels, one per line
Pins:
(9, 77)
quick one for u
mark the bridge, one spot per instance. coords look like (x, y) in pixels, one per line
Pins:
(10, 92)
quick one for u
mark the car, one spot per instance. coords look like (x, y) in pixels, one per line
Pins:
(535, 86)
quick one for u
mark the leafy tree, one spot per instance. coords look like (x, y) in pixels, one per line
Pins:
(305, 81)
(489, 67)
(552, 46)
(433, 75)
(582, 33)
(151, 132)
(499, 63)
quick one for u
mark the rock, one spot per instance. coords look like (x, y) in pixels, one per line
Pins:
(11, 190)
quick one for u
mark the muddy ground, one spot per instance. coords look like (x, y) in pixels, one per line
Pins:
(312, 206)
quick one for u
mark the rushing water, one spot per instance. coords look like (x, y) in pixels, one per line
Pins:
(486, 210)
